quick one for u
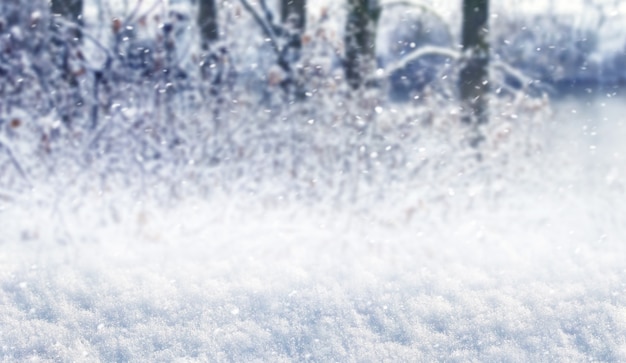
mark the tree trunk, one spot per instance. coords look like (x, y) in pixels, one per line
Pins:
(207, 21)
(293, 11)
(360, 40)
(293, 17)
(474, 81)
(71, 9)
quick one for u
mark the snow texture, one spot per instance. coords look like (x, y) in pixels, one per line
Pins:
(517, 257)
(510, 267)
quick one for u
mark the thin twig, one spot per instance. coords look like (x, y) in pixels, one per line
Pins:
(519, 76)
(74, 25)
(267, 28)
(133, 12)
(15, 162)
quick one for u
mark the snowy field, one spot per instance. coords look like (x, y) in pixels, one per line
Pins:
(521, 264)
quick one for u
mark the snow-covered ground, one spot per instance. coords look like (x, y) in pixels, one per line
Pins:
(517, 268)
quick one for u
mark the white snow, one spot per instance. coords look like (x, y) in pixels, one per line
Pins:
(521, 263)
(517, 258)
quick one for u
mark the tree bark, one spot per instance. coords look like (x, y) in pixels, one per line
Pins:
(293, 17)
(207, 21)
(360, 40)
(295, 11)
(71, 9)
(474, 80)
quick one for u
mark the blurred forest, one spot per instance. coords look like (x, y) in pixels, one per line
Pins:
(302, 100)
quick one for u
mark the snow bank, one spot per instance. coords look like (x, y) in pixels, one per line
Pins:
(503, 267)
(279, 287)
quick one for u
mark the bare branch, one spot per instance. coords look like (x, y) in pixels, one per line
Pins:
(266, 10)
(519, 76)
(133, 12)
(94, 40)
(414, 55)
(4, 145)
(506, 68)
(267, 28)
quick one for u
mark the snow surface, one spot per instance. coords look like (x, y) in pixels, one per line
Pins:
(528, 266)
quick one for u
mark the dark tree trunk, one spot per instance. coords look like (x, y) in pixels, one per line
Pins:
(360, 40)
(293, 17)
(71, 9)
(207, 21)
(474, 81)
(294, 11)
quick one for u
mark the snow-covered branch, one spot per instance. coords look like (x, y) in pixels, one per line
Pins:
(265, 26)
(518, 75)
(415, 55)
